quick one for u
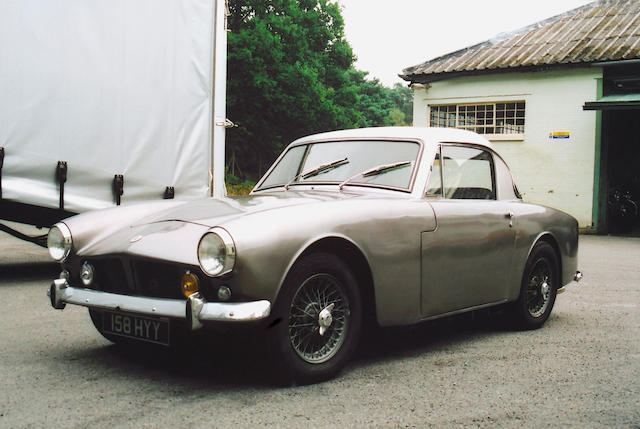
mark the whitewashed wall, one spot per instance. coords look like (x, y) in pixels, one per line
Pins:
(555, 172)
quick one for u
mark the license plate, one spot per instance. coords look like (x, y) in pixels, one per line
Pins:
(151, 329)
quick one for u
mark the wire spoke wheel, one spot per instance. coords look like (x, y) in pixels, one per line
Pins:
(539, 288)
(318, 318)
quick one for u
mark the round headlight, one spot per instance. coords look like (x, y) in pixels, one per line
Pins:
(59, 241)
(216, 252)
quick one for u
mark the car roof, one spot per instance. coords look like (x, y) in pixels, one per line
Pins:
(426, 134)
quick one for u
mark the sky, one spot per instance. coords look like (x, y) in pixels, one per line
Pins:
(390, 35)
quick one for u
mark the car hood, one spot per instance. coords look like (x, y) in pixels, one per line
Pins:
(145, 229)
(213, 211)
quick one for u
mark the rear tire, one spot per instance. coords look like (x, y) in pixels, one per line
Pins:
(540, 282)
(317, 320)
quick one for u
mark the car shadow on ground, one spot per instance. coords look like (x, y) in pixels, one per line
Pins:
(407, 341)
(239, 361)
(223, 362)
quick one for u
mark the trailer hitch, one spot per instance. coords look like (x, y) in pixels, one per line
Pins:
(1, 164)
(61, 176)
(118, 187)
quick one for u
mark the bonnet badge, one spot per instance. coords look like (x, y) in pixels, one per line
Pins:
(135, 239)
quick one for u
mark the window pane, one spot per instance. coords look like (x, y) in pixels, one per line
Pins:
(288, 167)
(467, 173)
(452, 120)
(434, 187)
(362, 155)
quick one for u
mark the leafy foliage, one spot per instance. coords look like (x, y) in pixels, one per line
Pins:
(290, 73)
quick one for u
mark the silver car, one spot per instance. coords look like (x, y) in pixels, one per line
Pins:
(385, 226)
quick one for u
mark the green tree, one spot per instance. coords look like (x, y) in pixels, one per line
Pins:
(290, 73)
(402, 98)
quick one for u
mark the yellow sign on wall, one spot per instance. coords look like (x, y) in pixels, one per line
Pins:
(559, 135)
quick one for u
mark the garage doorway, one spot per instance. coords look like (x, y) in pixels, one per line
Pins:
(620, 172)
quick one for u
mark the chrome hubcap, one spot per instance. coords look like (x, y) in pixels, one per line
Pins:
(318, 318)
(325, 319)
(544, 289)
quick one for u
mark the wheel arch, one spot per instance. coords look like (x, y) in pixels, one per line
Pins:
(346, 250)
(548, 238)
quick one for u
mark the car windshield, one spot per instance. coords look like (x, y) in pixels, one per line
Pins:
(336, 162)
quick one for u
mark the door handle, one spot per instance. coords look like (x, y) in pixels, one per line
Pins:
(510, 216)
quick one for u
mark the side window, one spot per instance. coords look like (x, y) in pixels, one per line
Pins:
(468, 173)
(434, 186)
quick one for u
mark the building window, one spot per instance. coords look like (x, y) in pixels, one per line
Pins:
(485, 118)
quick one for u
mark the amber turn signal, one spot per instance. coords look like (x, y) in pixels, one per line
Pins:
(189, 284)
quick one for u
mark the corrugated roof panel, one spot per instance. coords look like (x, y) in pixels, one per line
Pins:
(605, 30)
(511, 55)
(547, 44)
(497, 55)
(632, 48)
(619, 45)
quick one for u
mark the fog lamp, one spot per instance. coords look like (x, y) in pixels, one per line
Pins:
(86, 273)
(190, 284)
(224, 293)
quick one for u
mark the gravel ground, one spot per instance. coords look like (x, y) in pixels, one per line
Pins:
(582, 369)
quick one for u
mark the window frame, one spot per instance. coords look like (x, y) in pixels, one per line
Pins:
(517, 136)
(492, 167)
(412, 182)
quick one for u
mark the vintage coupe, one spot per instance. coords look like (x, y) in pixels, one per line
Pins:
(387, 226)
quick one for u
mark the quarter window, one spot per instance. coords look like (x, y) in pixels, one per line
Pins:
(486, 118)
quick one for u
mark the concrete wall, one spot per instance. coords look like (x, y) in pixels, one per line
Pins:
(555, 172)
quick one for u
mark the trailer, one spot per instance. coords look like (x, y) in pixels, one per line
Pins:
(109, 103)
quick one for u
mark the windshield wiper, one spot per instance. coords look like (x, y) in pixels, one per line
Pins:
(375, 171)
(322, 168)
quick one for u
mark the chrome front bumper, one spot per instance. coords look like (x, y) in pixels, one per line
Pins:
(194, 310)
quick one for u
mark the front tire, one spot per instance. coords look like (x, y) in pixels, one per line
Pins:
(540, 282)
(318, 319)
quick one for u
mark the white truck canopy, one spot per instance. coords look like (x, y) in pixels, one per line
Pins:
(118, 87)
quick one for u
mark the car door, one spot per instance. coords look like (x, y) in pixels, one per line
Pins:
(466, 260)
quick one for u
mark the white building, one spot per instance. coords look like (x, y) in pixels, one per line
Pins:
(560, 99)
